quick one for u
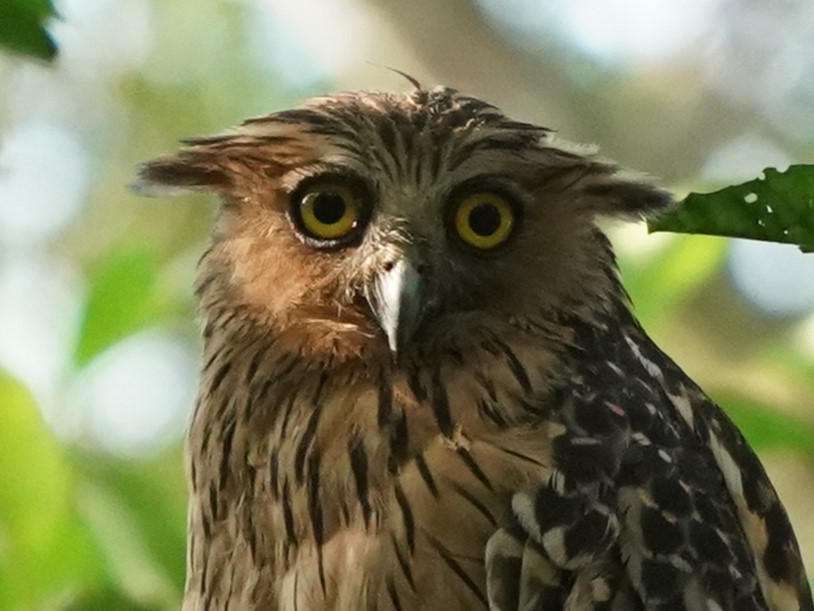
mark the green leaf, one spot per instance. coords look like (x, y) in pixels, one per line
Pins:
(45, 549)
(121, 301)
(110, 598)
(34, 493)
(22, 27)
(777, 207)
(130, 562)
(154, 493)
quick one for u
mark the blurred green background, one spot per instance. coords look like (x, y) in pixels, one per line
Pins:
(98, 343)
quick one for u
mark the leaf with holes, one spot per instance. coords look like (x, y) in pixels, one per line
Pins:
(777, 207)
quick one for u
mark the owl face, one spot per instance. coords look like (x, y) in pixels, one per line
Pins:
(408, 248)
(379, 220)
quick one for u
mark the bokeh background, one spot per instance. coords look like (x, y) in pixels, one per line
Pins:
(98, 343)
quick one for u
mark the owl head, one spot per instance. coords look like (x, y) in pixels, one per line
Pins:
(378, 222)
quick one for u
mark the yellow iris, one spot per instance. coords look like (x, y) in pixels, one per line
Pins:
(484, 220)
(329, 211)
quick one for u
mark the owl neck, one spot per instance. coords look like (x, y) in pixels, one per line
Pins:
(301, 448)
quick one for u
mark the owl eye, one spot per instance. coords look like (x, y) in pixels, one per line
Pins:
(328, 212)
(484, 220)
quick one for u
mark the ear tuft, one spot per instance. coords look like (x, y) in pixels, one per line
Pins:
(601, 186)
(626, 196)
(189, 170)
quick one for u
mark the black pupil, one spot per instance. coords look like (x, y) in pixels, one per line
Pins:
(484, 219)
(329, 208)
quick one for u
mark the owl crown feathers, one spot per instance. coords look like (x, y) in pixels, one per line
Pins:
(455, 124)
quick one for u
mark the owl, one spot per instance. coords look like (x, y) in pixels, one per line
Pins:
(424, 387)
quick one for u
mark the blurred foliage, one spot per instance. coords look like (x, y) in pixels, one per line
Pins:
(41, 515)
(80, 530)
(22, 27)
(84, 529)
(777, 207)
(127, 293)
(121, 301)
(670, 275)
(765, 430)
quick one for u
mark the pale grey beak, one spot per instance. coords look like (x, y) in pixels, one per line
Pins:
(398, 299)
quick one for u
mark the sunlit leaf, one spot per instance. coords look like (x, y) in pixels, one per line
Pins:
(109, 598)
(121, 301)
(44, 548)
(778, 207)
(22, 27)
(154, 491)
(132, 566)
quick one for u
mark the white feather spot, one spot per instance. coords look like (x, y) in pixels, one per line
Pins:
(586, 441)
(713, 605)
(640, 439)
(600, 590)
(684, 407)
(523, 507)
(649, 366)
(679, 563)
(616, 369)
(727, 465)
(557, 481)
(554, 544)
(502, 545)
(615, 409)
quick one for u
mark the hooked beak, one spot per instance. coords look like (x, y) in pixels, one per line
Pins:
(400, 302)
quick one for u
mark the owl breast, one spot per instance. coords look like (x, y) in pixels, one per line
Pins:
(352, 489)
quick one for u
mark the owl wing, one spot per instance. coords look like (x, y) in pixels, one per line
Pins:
(656, 501)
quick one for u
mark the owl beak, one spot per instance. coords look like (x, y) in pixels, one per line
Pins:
(399, 302)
